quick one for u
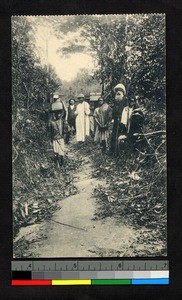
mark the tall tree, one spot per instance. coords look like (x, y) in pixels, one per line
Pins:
(127, 48)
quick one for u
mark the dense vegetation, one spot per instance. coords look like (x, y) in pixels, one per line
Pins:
(34, 175)
(131, 49)
(128, 49)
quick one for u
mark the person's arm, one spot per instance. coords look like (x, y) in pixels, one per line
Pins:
(66, 111)
(95, 117)
(51, 131)
(97, 122)
(109, 117)
(140, 110)
(87, 108)
(110, 114)
(76, 110)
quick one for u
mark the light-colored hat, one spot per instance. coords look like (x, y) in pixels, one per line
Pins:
(120, 87)
(80, 96)
(55, 96)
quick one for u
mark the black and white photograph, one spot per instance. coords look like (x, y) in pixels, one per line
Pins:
(89, 163)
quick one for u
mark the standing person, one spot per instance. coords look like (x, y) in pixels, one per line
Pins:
(71, 119)
(59, 104)
(71, 114)
(103, 117)
(58, 121)
(82, 119)
(127, 119)
(121, 115)
(57, 137)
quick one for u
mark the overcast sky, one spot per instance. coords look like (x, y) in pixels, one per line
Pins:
(66, 67)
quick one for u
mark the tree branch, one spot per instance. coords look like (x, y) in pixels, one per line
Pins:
(16, 154)
(150, 133)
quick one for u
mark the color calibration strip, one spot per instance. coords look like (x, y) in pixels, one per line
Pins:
(90, 272)
(92, 282)
(101, 278)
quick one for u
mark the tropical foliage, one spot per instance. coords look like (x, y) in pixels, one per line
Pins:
(126, 48)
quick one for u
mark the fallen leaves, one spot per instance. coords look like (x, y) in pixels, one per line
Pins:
(133, 175)
(47, 186)
(135, 194)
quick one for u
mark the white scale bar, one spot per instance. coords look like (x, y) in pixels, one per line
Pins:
(150, 274)
(129, 274)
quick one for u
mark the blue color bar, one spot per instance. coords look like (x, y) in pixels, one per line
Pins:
(151, 281)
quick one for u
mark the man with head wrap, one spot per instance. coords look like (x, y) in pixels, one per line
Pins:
(123, 116)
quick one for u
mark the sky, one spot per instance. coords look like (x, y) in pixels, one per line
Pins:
(65, 67)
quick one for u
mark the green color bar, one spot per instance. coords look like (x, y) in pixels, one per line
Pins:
(110, 281)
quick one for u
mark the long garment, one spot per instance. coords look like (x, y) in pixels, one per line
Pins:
(82, 121)
(103, 117)
(57, 137)
(121, 126)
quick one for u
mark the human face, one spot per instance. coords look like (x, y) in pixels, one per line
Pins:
(119, 95)
(80, 100)
(101, 102)
(72, 102)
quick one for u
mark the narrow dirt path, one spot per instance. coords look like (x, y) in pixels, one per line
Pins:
(72, 231)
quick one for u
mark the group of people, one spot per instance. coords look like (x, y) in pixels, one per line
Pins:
(112, 125)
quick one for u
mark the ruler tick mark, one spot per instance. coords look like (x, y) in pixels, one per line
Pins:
(91, 265)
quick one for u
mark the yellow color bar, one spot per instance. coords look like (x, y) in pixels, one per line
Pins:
(71, 282)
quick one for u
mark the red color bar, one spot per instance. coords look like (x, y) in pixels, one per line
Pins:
(31, 282)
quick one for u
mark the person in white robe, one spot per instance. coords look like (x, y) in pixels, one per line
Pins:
(82, 119)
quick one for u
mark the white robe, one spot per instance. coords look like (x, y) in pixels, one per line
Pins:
(82, 121)
(125, 118)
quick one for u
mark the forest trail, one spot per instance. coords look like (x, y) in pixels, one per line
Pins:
(136, 191)
(73, 232)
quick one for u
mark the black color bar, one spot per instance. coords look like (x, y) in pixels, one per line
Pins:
(21, 275)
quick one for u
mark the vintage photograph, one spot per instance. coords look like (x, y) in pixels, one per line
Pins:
(89, 166)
